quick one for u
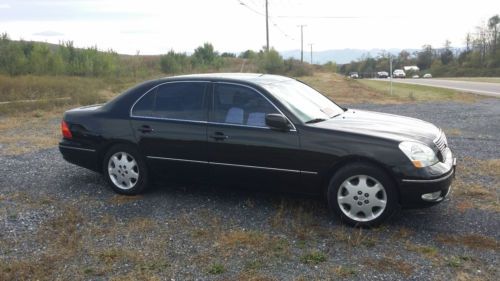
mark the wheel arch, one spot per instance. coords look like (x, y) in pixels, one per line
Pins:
(327, 175)
(101, 152)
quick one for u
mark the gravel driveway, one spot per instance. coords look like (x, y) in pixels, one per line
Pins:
(59, 221)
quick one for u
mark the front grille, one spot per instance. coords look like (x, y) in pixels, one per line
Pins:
(441, 143)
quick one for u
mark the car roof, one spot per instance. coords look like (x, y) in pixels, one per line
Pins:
(256, 78)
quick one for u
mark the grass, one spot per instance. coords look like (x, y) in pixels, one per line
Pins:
(347, 91)
(473, 194)
(474, 241)
(344, 271)
(390, 264)
(430, 252)
(21, 132)
(313, 257)
(417, 93)
(474, 79)
(216, 268)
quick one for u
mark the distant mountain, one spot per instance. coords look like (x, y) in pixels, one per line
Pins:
(340, 56)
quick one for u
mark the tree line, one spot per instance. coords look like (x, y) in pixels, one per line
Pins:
(206, 58)
(37, 58)
(24, 57)
(479, 57)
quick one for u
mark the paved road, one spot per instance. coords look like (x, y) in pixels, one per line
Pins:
(482, 88)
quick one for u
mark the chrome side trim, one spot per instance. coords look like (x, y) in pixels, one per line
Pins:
(240, 125)
(176, 159)
(308, 172)
(77, 148)
(170, 119)
(254, 167)
(231, 165)
(433, 180)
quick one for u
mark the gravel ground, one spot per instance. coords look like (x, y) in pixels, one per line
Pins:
(59, 221)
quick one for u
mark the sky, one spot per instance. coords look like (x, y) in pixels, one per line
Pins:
(155, 27)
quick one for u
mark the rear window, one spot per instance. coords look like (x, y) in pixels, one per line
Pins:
(182, 100)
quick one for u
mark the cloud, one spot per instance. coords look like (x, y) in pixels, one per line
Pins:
(48, 33)
(4, 6)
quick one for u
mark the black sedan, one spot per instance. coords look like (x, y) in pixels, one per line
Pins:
(261, 131)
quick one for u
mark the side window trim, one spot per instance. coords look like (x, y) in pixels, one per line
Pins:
(293, 129)
(155, 88)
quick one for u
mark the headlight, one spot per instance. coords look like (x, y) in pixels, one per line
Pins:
(419, 154)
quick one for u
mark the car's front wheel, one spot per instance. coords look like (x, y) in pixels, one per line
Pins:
(362, 194)
(125, 170)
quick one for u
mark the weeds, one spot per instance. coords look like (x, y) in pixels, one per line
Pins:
(314, 257)
(389, 264)
(474, 241)
(216, 268)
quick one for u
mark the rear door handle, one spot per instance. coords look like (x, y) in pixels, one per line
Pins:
(145, 129)
(218, 136)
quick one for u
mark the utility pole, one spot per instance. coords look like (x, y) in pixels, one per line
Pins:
(311, 45)
(267, 28)
(390, 70)
(302, 42)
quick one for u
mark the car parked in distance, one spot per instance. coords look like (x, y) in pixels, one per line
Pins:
(399, 73)
(415, 76)
(354, 75)
(427, 75)
(382, 74)
(261, 131)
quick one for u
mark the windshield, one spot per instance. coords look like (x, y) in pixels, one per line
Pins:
(303, 101)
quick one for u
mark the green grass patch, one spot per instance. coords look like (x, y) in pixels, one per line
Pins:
(216, 268)
(416, 93)
(314, 257)
(474, 79)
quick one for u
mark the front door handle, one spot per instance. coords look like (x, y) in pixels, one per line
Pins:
(145, 129)
(219, 136)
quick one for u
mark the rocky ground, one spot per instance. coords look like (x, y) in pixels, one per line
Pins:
(59, 221)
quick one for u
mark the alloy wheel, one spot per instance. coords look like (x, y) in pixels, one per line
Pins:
(123, 170)
(362, 198)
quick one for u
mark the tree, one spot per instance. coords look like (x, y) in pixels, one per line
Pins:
(271, 62)
(446, 54)
(493, 26)
(424, 57)
(205, 55)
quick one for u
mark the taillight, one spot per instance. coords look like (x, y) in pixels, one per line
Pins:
(65, 130)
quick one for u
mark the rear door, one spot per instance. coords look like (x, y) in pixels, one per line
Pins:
(170, 124)
(242, 148)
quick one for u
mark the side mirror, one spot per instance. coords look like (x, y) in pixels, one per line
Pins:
(277, 121)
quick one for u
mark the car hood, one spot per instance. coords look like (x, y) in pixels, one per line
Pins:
(382, 125)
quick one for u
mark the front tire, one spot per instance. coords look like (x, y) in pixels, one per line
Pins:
(125, 170)
(362, 195)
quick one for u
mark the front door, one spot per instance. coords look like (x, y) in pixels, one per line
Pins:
(170, 123)
(242, 148)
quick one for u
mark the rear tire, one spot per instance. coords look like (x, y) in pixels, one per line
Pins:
(125, 170)
(362, 194)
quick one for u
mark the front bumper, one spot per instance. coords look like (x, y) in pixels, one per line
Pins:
(429, 191)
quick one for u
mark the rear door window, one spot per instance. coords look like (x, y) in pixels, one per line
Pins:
(181, 101)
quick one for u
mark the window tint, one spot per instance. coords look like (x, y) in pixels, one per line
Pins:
(175, 101)
(144, 107)
(235, 104)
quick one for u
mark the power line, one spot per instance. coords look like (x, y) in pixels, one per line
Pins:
(254, 10)
(250, 8)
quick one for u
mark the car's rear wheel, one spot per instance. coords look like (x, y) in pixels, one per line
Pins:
(362, 195)
(125, 170)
